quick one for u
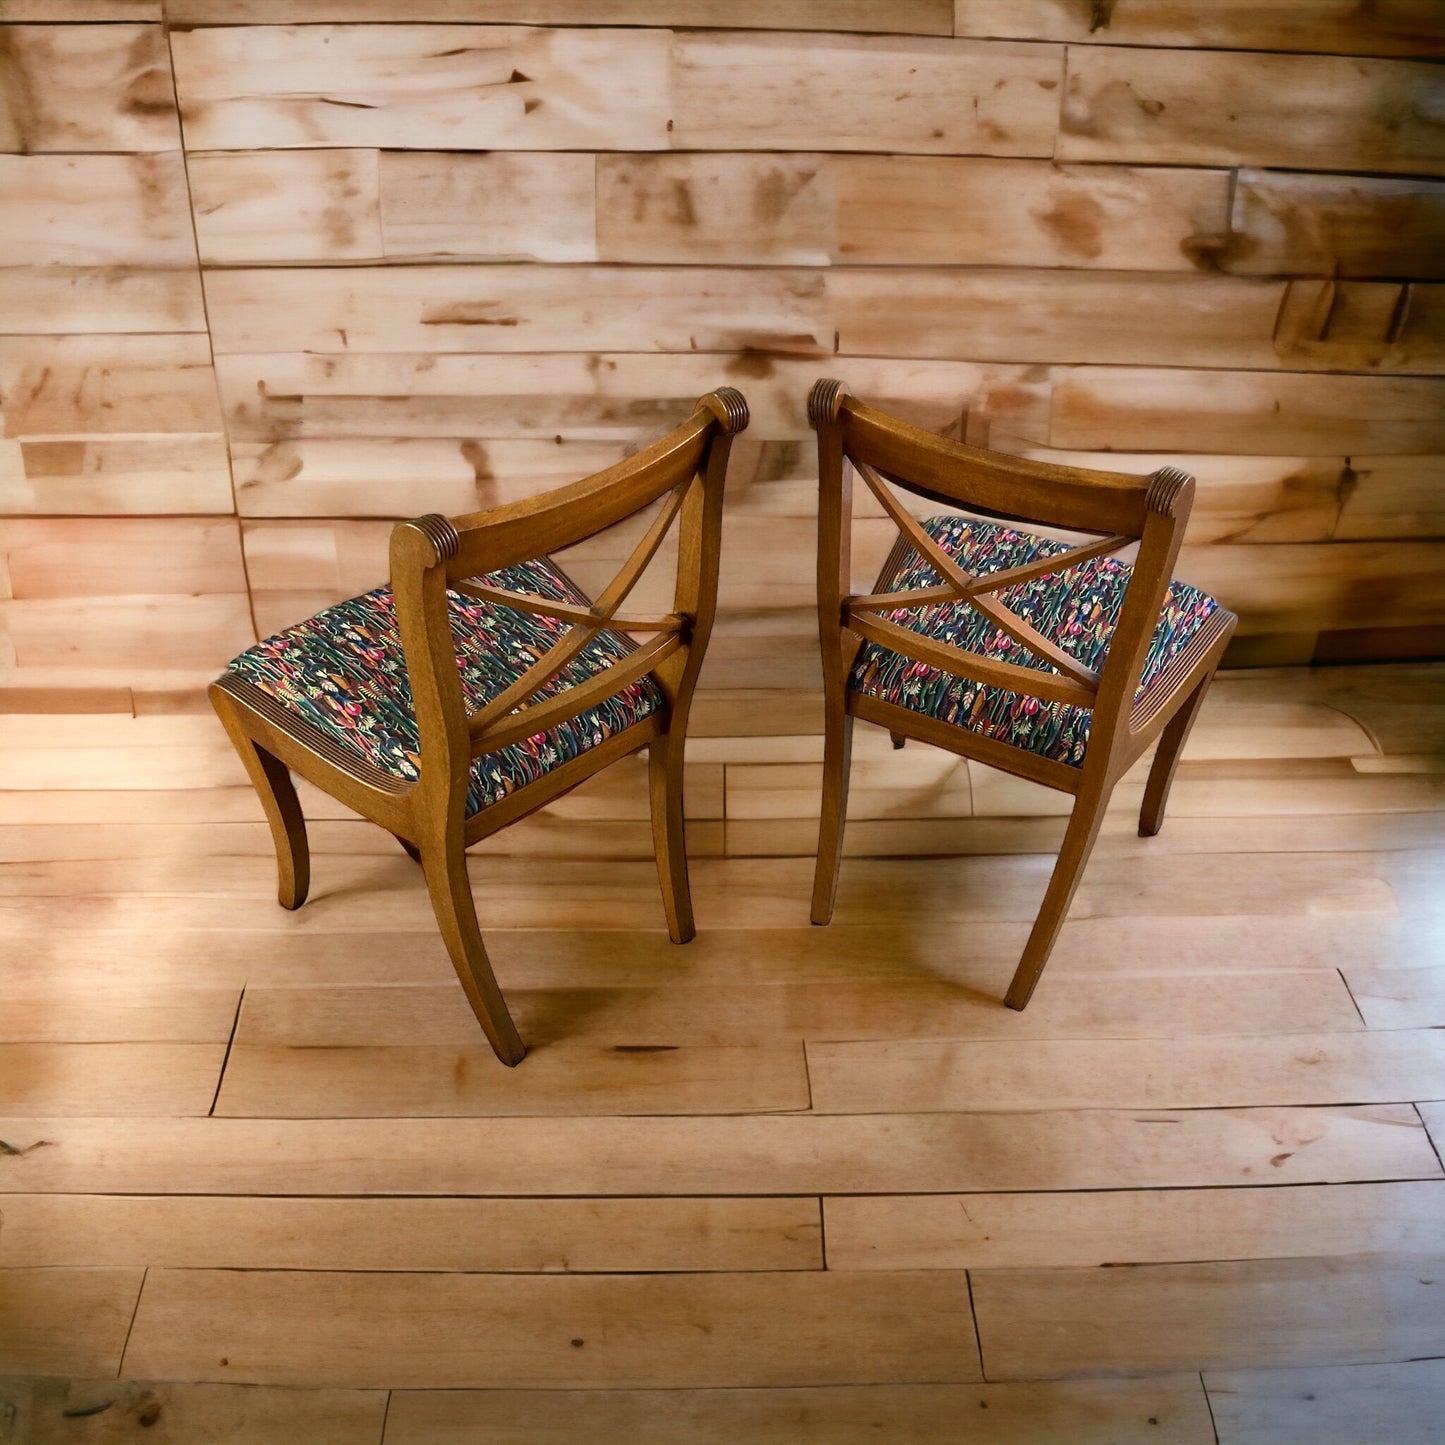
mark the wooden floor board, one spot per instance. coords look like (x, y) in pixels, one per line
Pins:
(569, 1236)
(65, 1321)
(763, 1154)
(1330, 1405)
(995, 1231)
(1365, 1067)
(1221, 1315)
(54, 1411)
(562, 1331)
(1164, 1410)
(125, 1078)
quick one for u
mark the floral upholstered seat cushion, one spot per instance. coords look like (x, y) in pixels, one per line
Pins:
(1077, 609)
(342, 672)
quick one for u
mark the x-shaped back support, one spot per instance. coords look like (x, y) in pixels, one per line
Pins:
(1071, 682)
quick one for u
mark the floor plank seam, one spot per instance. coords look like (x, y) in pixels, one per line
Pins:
(130, 1328)
(226, 1057)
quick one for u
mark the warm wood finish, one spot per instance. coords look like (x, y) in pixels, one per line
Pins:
(686, 471)
(1154, 510)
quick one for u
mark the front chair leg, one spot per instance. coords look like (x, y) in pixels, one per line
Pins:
(1083, 829)
(272, 781)
(837, 762)
(451, 897)
(664, 780)
(1166, 759)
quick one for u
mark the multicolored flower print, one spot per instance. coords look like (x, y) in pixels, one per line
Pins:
(344, 673)
(1077, 608)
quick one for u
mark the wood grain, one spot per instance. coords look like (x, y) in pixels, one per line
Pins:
(1295, 1069)
(86, 88)
(1074, 1412)
(1331, 1405)
(125, 1078)
(1397, 27)
(783, 1154)
(116, 1411)
(1004, 1231)
(568, 1236)
(1210, 107)
(65, 1321)
(1246, 1314)
(430, 1331)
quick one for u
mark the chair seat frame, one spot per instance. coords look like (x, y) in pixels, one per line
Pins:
(1125, 721)
(432, 555)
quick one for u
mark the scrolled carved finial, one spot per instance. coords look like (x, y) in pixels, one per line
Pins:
(824, 400)
(439, 531)
(1164, 488)
(730, 407)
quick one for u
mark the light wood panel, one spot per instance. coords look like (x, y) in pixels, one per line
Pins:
(417, 1330)
(115, 1411)
(62, 1013)
(921, 17)
(126, 1078)
(1210, 107)
(1330, 1405)
(568, 1236)
(783, 1154)
(1296, 224)
(1233, 1315)
(1075, 1412)
(65, 1321)
(38, 300)
(426, 1080)
(87, 88)
(1396, 27)
(1292, 1068)
(1002, 1231)
(46, 1412)
(117, 476)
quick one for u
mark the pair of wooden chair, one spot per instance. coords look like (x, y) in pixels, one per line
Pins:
(482, 683)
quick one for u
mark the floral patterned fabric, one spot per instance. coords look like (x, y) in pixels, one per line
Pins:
(343, 672)
(1077, 609)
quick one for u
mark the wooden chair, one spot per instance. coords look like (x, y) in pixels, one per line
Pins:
(483, 683)
(1052, 661)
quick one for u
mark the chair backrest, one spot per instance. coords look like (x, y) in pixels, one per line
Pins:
(432, 554)
(1120, 509)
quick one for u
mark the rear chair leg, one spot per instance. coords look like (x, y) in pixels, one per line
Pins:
(1166, 759)
(272, 781)
(837, 762)
(456, 912)
(664, 777)
(1079, 839)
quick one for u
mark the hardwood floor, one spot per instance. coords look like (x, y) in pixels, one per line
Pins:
(261, 1180)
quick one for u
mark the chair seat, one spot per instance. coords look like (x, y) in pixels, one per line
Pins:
(342, 672)
(1077, 609)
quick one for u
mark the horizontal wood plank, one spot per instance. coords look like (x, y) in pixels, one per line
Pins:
(1230, 1315)
(1328, 1405)
(1284, 1069)
(1218, 107)
(568, 1236)
(1007, 1231)
(50, 300)
(65, 1321)
(1075, 1412)
(781, 1154)
(1396, 27)
(427, 1080)
(87, 88)
(124, 1078)
(438, 1330)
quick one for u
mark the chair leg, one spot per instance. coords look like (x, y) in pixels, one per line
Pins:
(837, 762)
(898, 740)
(664, 777)
(1166, 759)
(272, 781)
(456, 912)
(1083, 829)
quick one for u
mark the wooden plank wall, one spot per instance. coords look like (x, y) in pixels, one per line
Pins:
(268, 284)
